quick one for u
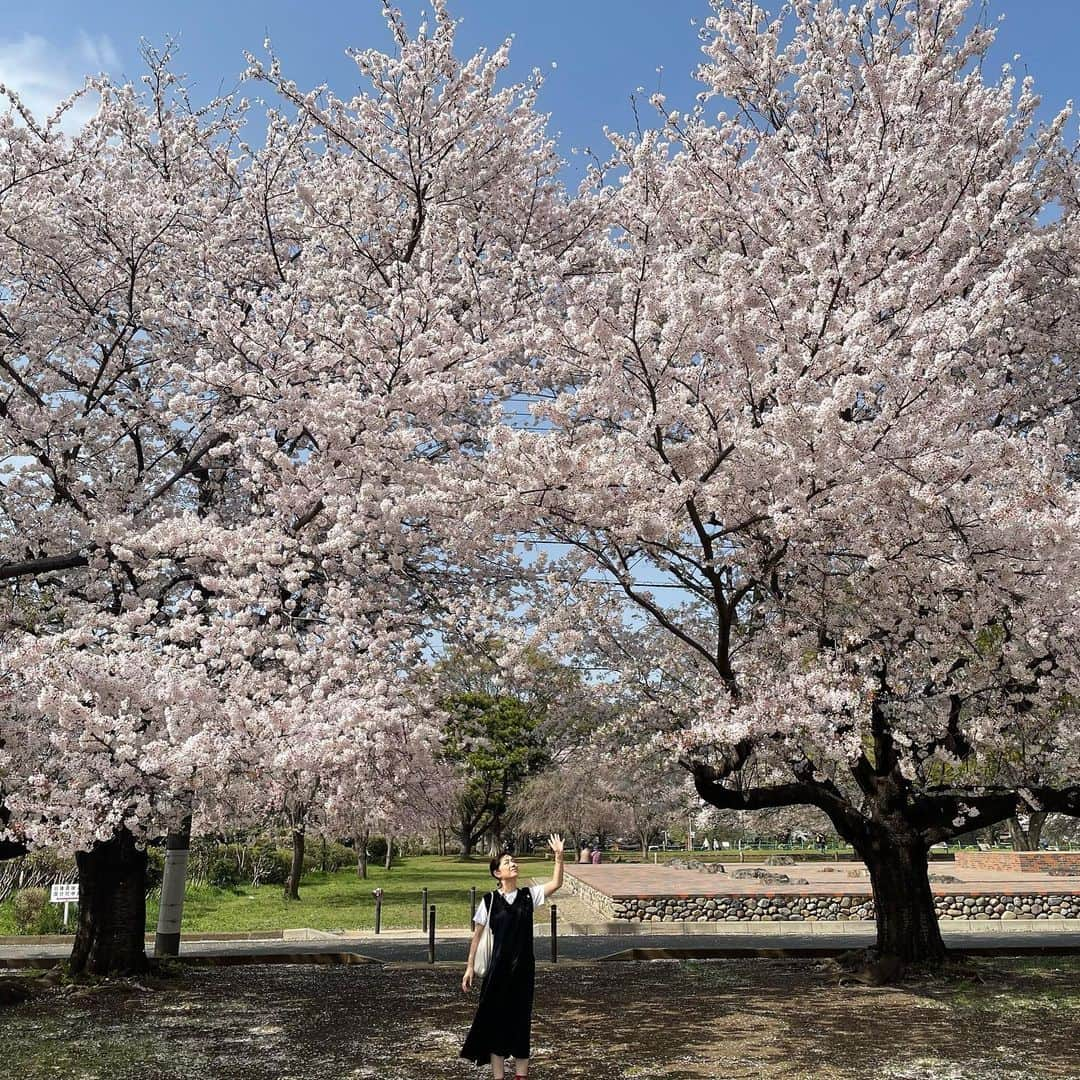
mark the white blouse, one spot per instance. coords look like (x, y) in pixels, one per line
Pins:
(481, 916)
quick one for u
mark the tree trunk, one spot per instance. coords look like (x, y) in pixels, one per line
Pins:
(173, 882)
(9, 849)
(109, 936)
(296, 869)
(389, 853)
(907, 928)
(1027, 839)
(465, 836)
(1035, 827)
(360, 843)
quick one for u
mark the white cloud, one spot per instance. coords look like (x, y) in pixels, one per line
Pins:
(98, 53)
(43, 72)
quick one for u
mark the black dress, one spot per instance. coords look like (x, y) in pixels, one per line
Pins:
(504, 1015)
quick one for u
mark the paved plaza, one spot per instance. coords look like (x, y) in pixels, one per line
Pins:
(624, 880)
(814, 892)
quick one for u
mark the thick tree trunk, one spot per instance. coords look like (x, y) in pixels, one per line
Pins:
(1027, 839)
(109, 937)
(173, 882)
(389, 853)
(907, 928)
(296, 869)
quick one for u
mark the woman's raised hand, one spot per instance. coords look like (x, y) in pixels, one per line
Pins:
(555, 842)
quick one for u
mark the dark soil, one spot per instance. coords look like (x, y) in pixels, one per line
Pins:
(730, 1019)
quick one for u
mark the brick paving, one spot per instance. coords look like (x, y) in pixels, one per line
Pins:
(1022, 861)
(642, 880)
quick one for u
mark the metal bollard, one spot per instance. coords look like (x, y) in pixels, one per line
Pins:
(378, 894)
(554, 933)
(423, 909)
(431, 936)
(472, 901)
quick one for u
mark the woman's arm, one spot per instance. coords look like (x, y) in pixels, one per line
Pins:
(467, 978)
(555, 842)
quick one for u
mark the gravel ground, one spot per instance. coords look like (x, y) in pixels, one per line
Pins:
(762, 1019)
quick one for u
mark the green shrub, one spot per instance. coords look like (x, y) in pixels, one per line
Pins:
(222, 871)
(270, 865)
(377, 848)
(338, 856)
(35, 914)
(155, 869)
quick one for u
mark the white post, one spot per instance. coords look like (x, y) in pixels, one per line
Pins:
(173, 882)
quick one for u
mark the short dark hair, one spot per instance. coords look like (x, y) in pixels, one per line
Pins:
(493, 863)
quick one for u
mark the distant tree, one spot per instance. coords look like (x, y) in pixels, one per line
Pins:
(494, 745)
(1026, 830)
(571, 796)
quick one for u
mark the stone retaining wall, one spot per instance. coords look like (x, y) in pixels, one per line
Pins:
(795, 907)
(593, 897)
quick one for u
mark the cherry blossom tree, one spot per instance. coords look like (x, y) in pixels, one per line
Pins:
(785, 436)
(234, 381)
(570, 796)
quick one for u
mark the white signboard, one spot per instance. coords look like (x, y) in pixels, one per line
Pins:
(65, 892)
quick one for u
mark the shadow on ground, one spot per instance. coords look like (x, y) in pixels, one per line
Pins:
(730, 1019)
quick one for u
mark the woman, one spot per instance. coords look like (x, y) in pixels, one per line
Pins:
(503, 1018)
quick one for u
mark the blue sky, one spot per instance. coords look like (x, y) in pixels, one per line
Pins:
(603, 49)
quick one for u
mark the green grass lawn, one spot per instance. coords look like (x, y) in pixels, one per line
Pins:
(337, 901)
(341, 901)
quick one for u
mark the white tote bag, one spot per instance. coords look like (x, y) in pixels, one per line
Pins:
(482, 960)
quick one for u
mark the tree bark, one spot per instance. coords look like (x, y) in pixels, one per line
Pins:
(907, 927)
(9, 849)
(389, 853)
(360, 843)
(1027, 839)
(109, 936)
(466, 843)
(173, 882)
(296, 869)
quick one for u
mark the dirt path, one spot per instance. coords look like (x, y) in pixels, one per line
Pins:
(753, 1019)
